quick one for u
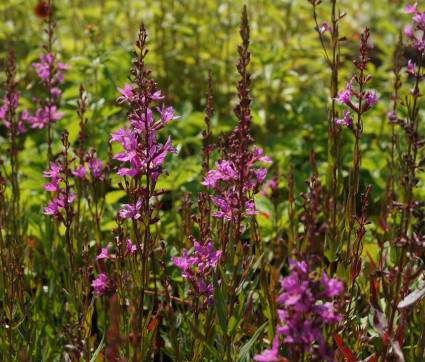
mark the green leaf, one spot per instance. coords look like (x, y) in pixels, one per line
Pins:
(247, 347)
(219, 305)
(96, 353)
(233, 324)
(249, 275)
(114, 196)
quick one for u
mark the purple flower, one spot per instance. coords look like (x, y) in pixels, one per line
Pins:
(411, 9)
(347, 120)
(345, 95)
(296, 293)
(132, 211)
(157, 96)
(132, 248)
(409, 32)
(258, 153)
(167, 114)
(20, 129)
(42, 118)
(325, 27)
(103, 286)
(184, 264)
(80, 172)
(140, 122)
(127, 93)
(205, 255)
(327, 313)
(270, 354)
(304, 313)
(250, 207)
(227, 210)
(56, 92)
(208, 292)
(55, 171)
(43, 69)
(52, 208)
(96, 169)
(54, 185)
(411, 66)
(299, 266)
(371, 99)
(260, 174)
(105, 253)
(332, 286)
(122, 135)
(391, 116)
(225, 171)
(57, 204)
(418, 24)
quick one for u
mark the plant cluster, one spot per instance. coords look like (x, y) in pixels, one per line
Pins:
(251, 270)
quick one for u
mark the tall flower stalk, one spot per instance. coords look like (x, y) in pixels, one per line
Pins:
(8, 113)
(141, 165)
(409, 235)
(49, 69)
(235, 180)
(363, 103)
(334, 181)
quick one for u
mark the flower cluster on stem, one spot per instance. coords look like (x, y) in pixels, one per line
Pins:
(363, 99)
(304, 314)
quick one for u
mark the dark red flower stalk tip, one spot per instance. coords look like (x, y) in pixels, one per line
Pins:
(42, 10)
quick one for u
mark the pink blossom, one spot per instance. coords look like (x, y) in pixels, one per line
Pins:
(80, 172)
(132, 211)
(103, 286)
(270, 354)
(347, 120)
(127, 93)
(44, 117)
(105, 253)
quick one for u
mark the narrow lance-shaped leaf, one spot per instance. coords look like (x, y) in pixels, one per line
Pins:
(411, 298)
